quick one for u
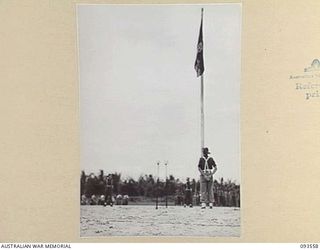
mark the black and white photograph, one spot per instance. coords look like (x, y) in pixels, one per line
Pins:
(159, 100)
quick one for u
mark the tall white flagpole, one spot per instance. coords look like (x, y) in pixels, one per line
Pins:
(202, 114)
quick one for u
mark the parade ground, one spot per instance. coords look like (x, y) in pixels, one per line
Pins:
(99, 221)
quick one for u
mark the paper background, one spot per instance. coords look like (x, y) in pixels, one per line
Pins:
(39, 147)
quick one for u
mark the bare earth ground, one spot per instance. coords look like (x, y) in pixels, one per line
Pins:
(147, 221)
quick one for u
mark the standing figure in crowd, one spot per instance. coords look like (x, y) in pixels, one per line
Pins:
(215, 194)
(207, 168)
(109, 189)
(188, 194)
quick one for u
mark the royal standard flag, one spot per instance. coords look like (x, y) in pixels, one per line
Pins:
(199, 63)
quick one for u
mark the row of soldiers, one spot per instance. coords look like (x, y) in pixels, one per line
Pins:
(101, 200)
(104, 182)
(188, 194)
(226, 195)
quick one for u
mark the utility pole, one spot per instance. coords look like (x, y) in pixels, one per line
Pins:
(157, 186)
(166, 187)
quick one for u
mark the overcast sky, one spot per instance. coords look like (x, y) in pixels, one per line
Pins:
(139, 94)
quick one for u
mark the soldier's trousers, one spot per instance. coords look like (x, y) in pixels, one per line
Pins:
(206, 190)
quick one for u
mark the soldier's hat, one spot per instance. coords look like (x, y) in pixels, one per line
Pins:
(206, 151)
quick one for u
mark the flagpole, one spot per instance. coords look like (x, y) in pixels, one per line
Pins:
(199, 67)
(202, 97)
(202, 114)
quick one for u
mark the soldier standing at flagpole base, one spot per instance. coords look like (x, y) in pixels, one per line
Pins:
(207, 168)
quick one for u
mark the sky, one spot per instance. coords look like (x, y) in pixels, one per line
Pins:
(139, 94)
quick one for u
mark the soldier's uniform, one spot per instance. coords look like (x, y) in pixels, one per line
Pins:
(206, 167)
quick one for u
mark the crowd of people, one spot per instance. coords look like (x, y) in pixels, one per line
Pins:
(226, 194)
(101, 200)
(111, 190)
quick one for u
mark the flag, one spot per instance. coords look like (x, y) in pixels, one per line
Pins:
(199, 63)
